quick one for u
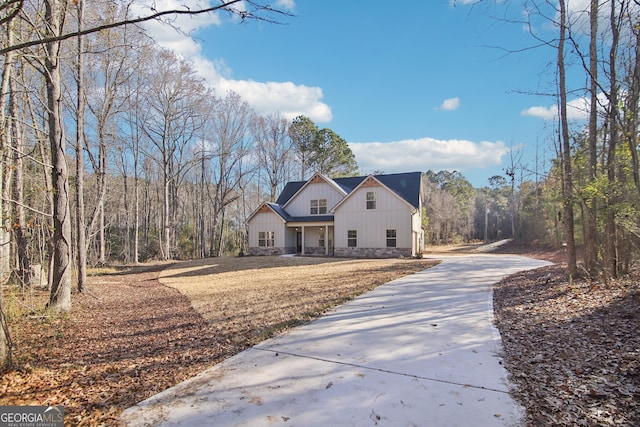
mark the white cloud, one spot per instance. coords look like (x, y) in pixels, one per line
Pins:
(285, 4)
(450, 104)
(463, 2)
(545, 113)
(427, 153)
(288, 98)
(577, 109)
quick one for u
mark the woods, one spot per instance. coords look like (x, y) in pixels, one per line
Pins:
(94, 81)
(588, 199)
(114, 150)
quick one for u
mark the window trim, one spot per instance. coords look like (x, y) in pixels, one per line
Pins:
(352, 238)
(266, 239)
(318, 207)
(392, 241)
(371, 202)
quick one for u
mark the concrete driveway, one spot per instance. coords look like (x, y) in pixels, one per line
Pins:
(419, 351)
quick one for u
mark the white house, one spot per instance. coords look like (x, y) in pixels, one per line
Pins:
(367, 216)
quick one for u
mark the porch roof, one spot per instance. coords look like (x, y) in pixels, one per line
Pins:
(311, 218)
(315, 219)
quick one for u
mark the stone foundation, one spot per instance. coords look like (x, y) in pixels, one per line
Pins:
(338, 252)
(267, 250)
(373, 252)
(317, 251)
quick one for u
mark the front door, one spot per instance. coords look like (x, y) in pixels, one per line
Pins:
(299, 242)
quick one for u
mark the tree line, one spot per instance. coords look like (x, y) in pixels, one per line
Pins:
(589, 199)
(113, 149)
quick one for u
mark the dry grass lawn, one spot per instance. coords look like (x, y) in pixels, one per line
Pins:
(255, 296)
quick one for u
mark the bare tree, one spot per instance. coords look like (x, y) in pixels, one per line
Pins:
(565, 144)
(174, 120)
(49, 32)
(81, 236)
(5, 346)
(230, 130)
(274, 150)
(110, 67)
(591, 244)
(252, 10)
(60, 298)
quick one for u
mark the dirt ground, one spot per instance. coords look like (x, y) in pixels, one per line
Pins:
(143, 330)
(571, 347)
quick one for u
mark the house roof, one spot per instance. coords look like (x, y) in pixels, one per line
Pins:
(279, 210)
(318, 177)
(291, 188)
(405, 185)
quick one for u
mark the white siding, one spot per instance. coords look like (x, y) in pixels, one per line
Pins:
(372, 224)
(300, 205)
(417, 221)
(267, 221)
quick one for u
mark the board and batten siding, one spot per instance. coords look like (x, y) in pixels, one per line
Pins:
(391, 213)
(268, 221)
(301, 203)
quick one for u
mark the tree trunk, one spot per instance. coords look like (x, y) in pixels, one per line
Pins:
(591, 244)
(60, 297)
(19, 221)
(81, 236)
(566, 149)
(166, 246)
(102, 188)
(203, 244)
(127, 227)
(136, 202)
(5, 342)
(611, 256)
(632, 115)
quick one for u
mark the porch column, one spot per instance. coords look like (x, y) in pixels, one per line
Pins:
(326, 240)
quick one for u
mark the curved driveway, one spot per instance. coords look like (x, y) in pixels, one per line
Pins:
(418, 351)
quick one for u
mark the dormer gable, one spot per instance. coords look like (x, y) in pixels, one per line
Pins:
(406, 187)
(267, 207)
(318, 178)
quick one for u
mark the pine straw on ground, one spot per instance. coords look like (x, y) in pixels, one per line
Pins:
(572, 348)
(132, 336)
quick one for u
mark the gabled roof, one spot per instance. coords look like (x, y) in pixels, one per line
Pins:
(275, 208)
(405, 185)
(318, 177)
(289, 190)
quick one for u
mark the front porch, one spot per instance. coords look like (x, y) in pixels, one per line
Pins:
(310, 238)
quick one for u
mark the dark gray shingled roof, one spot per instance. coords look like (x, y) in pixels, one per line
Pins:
(311, 218)
(405, 185)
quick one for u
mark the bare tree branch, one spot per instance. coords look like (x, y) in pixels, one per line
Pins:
(260, 12)
(13, 7)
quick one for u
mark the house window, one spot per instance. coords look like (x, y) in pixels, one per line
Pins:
(321, 239)
(391, 238)
(352, 238)
(318, 207)
(371, 200)
(266, 238)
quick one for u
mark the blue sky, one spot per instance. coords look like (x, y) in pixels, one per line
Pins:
(411, 86)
